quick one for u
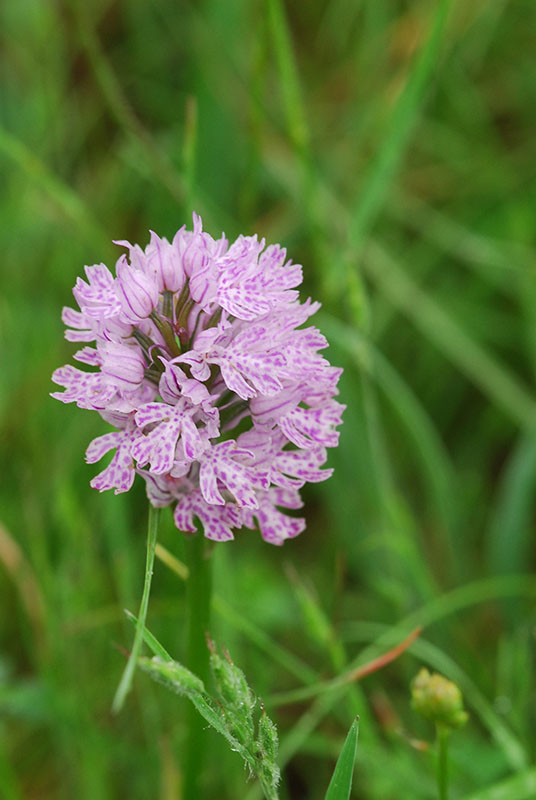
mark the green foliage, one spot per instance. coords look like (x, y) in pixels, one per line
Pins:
(340, 785)
(230, 712)
(389, 146)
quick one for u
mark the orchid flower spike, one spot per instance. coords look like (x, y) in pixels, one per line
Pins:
(218, 395)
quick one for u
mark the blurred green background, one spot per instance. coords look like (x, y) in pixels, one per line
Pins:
(389, 145)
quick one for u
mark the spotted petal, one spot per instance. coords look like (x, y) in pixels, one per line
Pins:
(276, 527)
(217, 522)
(119, 474)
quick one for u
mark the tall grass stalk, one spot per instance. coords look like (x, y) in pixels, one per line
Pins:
(198, 595)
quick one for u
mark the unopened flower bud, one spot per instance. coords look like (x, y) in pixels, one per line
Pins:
(164, 260)
(137, 291)
(438, 699)
(124, 366)
(195, 255)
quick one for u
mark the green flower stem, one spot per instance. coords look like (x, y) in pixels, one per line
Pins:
(442, 739)
(167, 332)
(128, 673)
(198, 592)
(167, 307)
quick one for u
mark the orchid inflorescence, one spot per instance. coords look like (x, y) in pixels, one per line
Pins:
(220, 400)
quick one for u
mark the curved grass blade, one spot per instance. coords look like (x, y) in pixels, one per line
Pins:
(468, 355)
(382, 171)
(498, 262)
(70, 203)
(151, 641)
(510, 533)
(125, 683)
(481, 591)
(350, 676)
(436, 466)
(340, 785)
(383, 168)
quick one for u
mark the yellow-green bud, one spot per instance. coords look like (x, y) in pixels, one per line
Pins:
(438, 699)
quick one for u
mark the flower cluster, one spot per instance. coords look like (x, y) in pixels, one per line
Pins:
(220, 400)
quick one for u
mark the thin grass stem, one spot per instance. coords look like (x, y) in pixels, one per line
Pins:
(125, 683)
(442, 739)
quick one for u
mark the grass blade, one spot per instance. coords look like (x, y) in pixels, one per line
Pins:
(373, 192)
(510, 533)
(349, 676)
(280, 655)
(436, 466)
(63, 196)
(125, 683)
(151, 641)
(462, 597)
(340, 785)
(440, 328)
(296, 121)
(119, 107)
(289, 80)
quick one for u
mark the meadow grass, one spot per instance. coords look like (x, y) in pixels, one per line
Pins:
(389, 145)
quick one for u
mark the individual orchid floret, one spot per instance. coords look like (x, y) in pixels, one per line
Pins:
(217, 521)
(246, 368)
(275, 526)
(220, 400)
(222, 466)
(119, 474)
(166, 424)
(86, 389)
(97, 298)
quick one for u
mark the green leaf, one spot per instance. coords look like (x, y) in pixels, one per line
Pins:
(340, 785)
(230, 713)
(150, 640)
